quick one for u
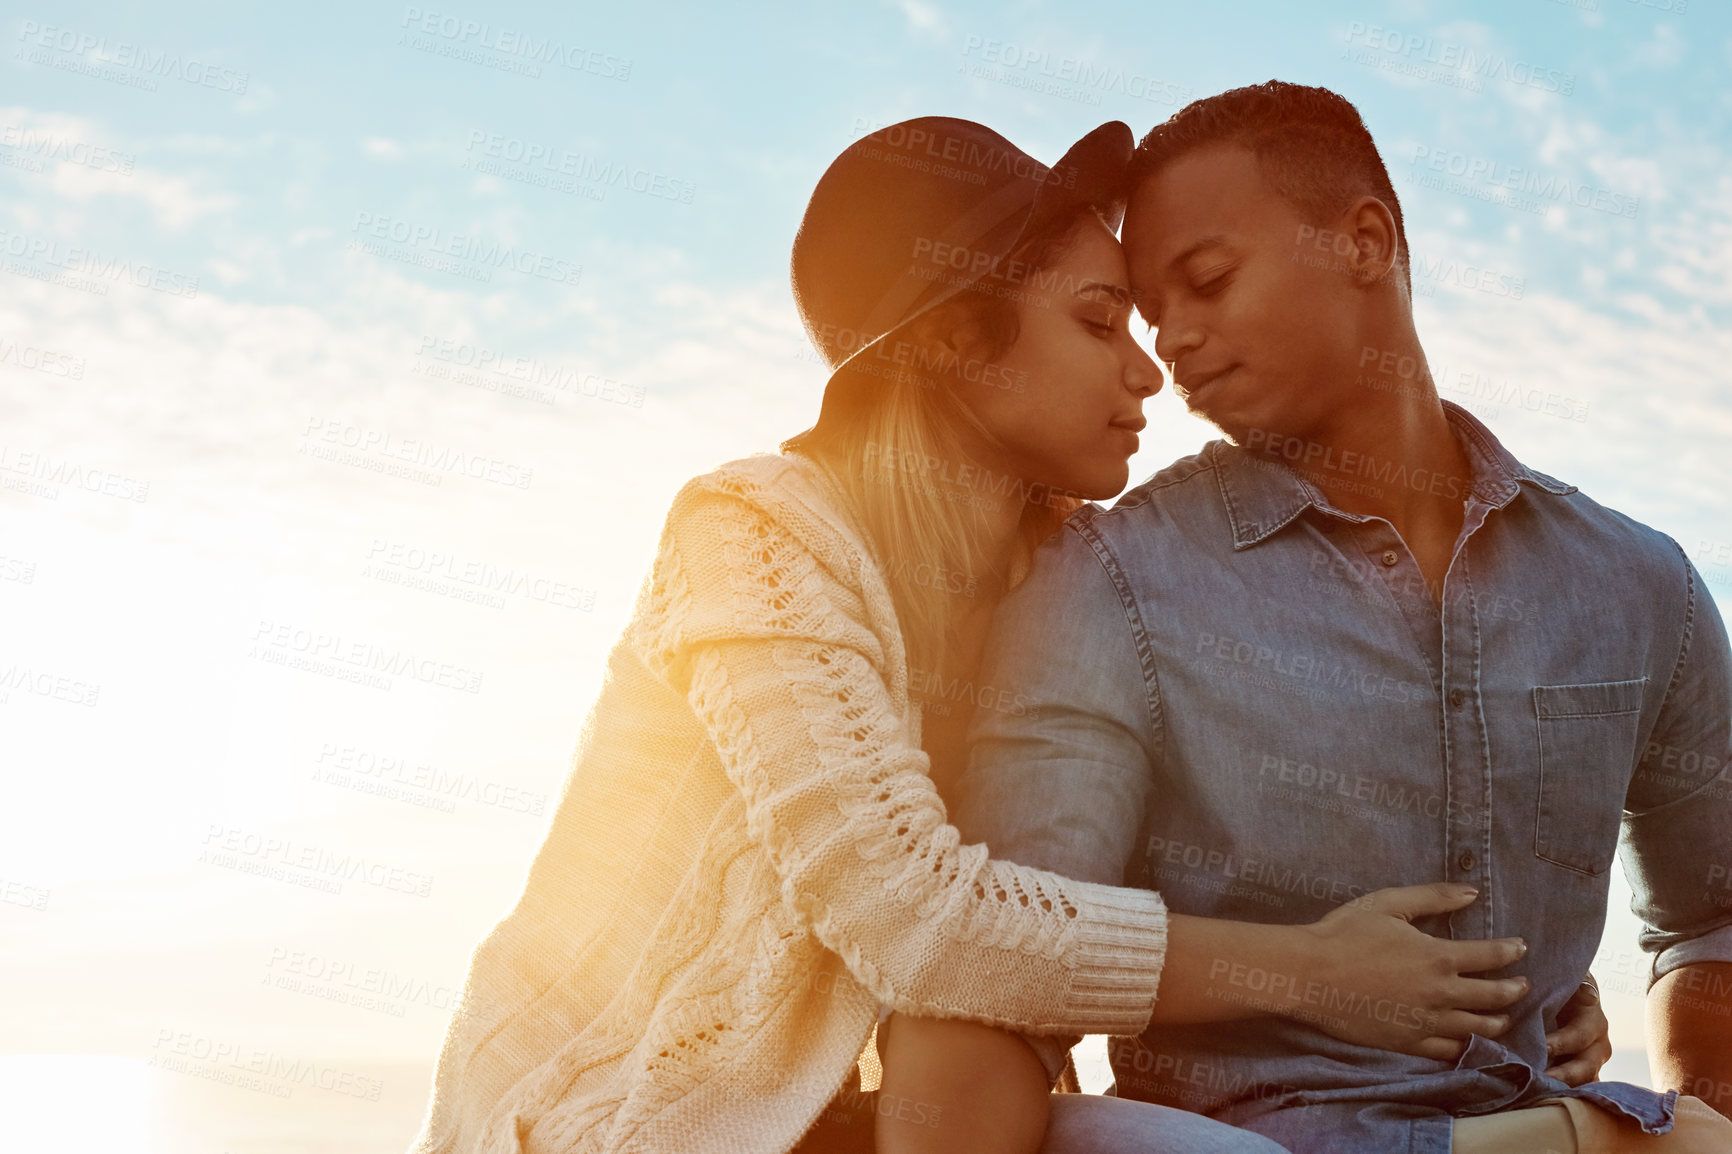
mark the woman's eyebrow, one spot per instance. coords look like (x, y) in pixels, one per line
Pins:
(1090, 290)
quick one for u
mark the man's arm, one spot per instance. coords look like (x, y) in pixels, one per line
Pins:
(1690, 1032)
(1677, 842)
(1060, 757)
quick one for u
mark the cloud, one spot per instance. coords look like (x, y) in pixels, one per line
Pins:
(84, 163)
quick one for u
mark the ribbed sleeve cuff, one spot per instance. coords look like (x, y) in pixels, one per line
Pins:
(1121, 945)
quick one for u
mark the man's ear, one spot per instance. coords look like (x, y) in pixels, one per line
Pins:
(1376, 244)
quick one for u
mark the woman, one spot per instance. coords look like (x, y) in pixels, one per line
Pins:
(751, 864)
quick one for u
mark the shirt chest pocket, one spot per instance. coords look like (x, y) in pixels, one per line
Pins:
(1587, 736)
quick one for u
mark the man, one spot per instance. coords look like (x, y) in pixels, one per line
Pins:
(1358, 645)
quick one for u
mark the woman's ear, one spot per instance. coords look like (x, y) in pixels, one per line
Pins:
(953, 331)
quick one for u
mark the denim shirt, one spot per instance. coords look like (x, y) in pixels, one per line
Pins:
(1237, 694)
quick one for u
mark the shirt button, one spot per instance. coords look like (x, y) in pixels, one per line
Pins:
(1456, 697)
(1389, 557)
(1466, 861)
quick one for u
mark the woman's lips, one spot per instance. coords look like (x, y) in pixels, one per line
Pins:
(1128, 431)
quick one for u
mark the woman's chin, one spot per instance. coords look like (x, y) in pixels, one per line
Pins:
(1101, 486)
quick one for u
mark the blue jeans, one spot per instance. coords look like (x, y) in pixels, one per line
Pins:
(1094, 1124)
(1079, 1124)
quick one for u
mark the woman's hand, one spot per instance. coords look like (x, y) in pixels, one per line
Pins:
(1374, 980)
(1583, 1039)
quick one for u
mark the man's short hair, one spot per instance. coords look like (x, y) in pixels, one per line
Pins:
(1310, 144)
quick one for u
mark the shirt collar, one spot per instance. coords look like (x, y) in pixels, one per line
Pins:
(1263, 495)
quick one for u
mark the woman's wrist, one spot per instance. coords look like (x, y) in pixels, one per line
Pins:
(1219, 971)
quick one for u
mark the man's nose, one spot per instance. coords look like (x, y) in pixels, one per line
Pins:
(1175, 337)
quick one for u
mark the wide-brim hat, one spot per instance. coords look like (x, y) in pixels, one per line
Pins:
(916, 213)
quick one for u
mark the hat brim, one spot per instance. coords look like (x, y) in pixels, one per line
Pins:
(1092, 174)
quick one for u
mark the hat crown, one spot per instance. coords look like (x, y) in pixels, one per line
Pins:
(903, 214)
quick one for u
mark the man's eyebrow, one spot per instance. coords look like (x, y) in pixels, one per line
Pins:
(1213, 240)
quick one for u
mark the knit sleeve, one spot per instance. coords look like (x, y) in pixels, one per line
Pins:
(772, 652)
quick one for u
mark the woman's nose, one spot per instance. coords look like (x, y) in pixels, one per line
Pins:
(1142, 376)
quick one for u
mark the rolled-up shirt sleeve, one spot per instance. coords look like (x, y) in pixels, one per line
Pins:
(1677, 830)
(1059, 764)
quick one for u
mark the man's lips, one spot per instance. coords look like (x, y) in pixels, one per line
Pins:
(1193, 383)
(1131, 424)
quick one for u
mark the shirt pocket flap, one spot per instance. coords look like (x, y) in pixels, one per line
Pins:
(1592, 700)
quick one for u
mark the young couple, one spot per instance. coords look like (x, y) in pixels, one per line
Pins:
(1300, 770)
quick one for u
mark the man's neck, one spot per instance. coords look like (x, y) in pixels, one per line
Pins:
(1401, 462)
(1393, 456)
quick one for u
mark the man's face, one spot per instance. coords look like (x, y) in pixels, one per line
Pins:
(1257, 334)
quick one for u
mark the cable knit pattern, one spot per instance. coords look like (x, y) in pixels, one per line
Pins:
(749, 859)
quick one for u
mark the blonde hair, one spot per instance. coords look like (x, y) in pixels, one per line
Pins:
(903, 464)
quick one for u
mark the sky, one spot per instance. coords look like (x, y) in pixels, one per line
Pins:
(399, 326)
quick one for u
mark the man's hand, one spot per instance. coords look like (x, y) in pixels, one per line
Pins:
(1583, 1037)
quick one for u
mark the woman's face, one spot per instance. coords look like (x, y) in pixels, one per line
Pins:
(1067, 401)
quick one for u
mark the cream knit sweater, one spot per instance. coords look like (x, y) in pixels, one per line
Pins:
(749, 859)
